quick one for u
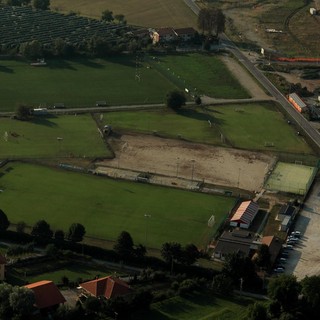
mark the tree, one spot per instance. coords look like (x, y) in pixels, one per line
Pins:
(310, 289)
(61, 48)
(41, 4)
(5, 308)
(98, 46)
(140, 251)
(285, 290)
(42, 229)
(21, 226)
(4, 222)
(23, 112)
(120, 18)
(59, 235)
(171, 251)
(175, 99)
(107, 16)
(22, 300)
(190, 254)
(222, 284)
(124, 245)
(257, 311)
(211, 20)
(31, 50)
(51, 250)
(76, 232)
(262, 258)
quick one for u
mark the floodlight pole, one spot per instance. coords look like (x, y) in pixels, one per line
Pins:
(192, 172)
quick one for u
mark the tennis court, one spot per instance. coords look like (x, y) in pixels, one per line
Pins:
(291, 177)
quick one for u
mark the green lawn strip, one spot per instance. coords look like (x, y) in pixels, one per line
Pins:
(190, 124)
(106, 207)
(258, 126)
(80, 83)
(199, 306)
(78, 137)
(201, 74)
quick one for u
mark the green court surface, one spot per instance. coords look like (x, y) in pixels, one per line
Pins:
(292, 178)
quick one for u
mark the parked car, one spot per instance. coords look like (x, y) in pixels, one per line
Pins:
(296, 234)
(291, 243)
(293, 239)
(278, 270)
(288, 247)
(282, 259)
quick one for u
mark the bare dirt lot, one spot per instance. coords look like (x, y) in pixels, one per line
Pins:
(176, 158)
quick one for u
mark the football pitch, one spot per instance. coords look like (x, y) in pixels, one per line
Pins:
(152, 214)
(51, 137)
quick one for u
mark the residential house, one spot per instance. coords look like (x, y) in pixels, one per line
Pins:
(237, 241)
(47, 295)
(163, 35)
(108, 287)
(274, 244)
(185, 34)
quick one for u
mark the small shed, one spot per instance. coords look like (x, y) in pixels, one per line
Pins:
(245, 214)
(285, 224)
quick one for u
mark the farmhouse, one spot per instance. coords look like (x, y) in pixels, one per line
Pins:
(3, 262)
(185, 34)
(108, 287)
(238, 241)
(47, 295)
(163, 35)
(244, 215)
(297, 102)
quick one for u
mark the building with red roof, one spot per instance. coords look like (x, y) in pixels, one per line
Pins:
(244, 215)
(47, 294)
(108, 287)
(3, 262)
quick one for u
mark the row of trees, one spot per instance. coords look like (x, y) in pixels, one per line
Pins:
(37, 4)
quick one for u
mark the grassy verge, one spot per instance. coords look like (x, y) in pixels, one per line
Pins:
(106, 207)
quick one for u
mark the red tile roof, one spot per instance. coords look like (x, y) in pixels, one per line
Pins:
(166, 31)
(185, 31)
(2, 259)
(46, 294)
(109, 287)
(246, 212)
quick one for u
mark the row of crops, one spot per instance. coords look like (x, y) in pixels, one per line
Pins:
(24, 24)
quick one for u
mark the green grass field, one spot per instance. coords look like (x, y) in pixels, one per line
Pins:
(201, 74)
(106, 207)
(80, 83)
(250, 128)
(147, 13)
(199, 307)
(290, 177)
(38, 138)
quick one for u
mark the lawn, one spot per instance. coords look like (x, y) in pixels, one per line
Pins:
(106, 206)
(199, 306)
(38, 138)
(147, 13)
(248, 126)
(80, 83)
(201, 74)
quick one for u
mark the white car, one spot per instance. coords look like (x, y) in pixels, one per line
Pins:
(296, 234)
(278, 270)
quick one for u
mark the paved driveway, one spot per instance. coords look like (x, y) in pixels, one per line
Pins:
(304, 260)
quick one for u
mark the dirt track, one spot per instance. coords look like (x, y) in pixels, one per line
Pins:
(220, 166)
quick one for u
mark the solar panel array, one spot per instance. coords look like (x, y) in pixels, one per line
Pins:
(24, 24)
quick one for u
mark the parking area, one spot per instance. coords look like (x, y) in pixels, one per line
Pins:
(304, 259)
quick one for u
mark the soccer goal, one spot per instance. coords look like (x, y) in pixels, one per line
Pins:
(211, 221)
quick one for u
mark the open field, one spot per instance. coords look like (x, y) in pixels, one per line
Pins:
(300, 29)
(106, 207)
(199, 306)
(293, 178)
(147, 13)
(80, 83)
(199, 162)
(201, 74)
(38, 138)
(248, 126)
